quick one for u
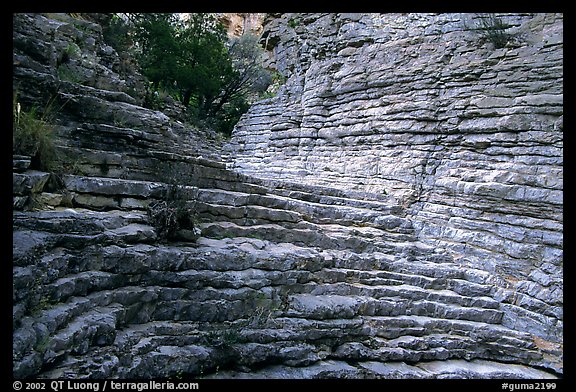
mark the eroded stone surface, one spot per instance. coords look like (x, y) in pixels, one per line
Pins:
(395, 212)
(421, 108)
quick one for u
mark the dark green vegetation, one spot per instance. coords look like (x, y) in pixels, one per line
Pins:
(32, 134)
(494, 30)
(193, 61)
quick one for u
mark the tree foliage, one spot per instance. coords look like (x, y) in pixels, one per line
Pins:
(192, 59)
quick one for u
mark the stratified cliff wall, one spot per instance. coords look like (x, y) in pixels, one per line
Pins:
(394, 212)
(424, 108)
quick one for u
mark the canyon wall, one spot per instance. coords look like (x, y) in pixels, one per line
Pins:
(394, 212)
(425, 108)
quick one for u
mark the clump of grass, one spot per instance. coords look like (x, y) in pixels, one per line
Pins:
(493, 29)
(32, 135)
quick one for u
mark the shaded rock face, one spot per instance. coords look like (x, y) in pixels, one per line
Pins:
(306, 274)
(63, 66)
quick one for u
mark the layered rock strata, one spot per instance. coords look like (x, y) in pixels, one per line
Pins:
(424, 108)
(289, 279)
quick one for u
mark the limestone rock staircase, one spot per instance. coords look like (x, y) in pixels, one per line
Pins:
(286, 281)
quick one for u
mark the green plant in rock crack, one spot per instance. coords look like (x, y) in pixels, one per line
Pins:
(225, 338)
(264, 309)
(174, 217)
(32, 134)
(43, 345)
(69, 74)
(293, 23)
(38, 301)
(493, 29)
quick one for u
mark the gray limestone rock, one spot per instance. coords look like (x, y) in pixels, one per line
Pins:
(395, 211)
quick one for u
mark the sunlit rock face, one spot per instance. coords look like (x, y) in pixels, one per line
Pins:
(237, 24)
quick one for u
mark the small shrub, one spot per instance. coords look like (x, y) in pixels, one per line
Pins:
(104, 167)
(172, 217)
(293, 23)
(68, 73)
(72, 50)
(277, 81)
(156, 98)
(32, 135)
(493, 29)
(225, 339)
(116, 33)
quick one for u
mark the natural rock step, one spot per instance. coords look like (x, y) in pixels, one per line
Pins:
(195, 266)
(28, 285)
(96, 327)
(203, 353)
(324, 306)
(228, 297)
(42, 242)
(31, 181)
(413, 349)
(365, 186)
(57, 316)
(234, 288)
(265, 331)
(20, 163)
(510, 345)
(457, 369)
(234, 206)
(375, 277)
(469, 281)
(75, 229)
(101, 193)
(125, 232)
(73, 326)
(77, 221)
(299, 201)
(400, 291)
(98, 362)
(114, 186)
(246, 215)
(110, 137)
(357, 239)
(225, 255)
(391, 327)
(131, 341)
(418, 259)
(377, 331)
(149, 339)
(332, 195)
(315, 307)
(218, 297)
(412, 335)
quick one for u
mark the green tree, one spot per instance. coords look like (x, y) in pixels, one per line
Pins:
(205, 63)
(159, 48)
(187, 57)
(245, 80)
(247, 75)
(191, 59)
